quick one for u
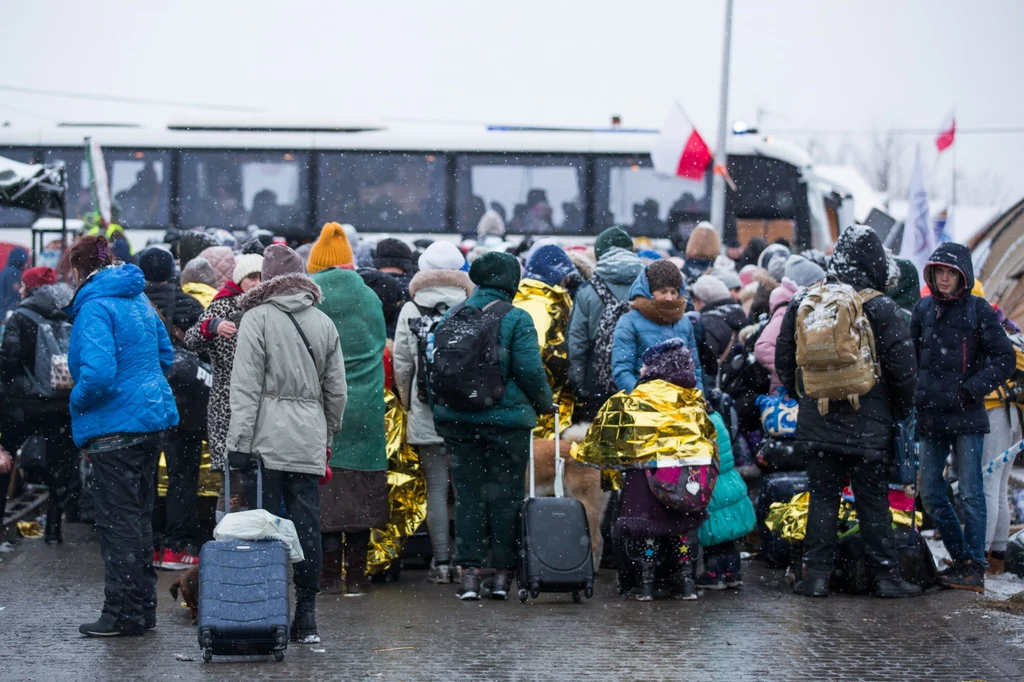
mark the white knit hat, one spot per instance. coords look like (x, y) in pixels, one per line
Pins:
(442, 255)
(245, 265)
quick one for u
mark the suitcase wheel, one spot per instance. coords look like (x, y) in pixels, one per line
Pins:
(576, 597)
(206, 640)
(535, 590)
(282, 640)
(207, 655)
(279, 655)
(523, 594)
(588, 592)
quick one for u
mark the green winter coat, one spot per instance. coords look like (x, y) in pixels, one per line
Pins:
(526, 383)
(357, 314)
(731, 513)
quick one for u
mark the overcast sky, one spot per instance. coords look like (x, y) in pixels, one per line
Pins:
(857, 65)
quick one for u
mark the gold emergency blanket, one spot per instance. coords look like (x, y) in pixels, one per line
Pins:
(657, 425)
(210, 481)
(407, 491)
(549, 308)
(789, 519)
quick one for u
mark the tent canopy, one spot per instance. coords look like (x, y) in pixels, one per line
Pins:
(35, 187)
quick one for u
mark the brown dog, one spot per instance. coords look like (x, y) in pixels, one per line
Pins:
(582, 483)
(188, 584)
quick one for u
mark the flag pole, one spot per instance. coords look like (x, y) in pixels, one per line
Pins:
(721, 158)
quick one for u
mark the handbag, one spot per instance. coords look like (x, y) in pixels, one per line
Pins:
(686, 489)
(778, 413)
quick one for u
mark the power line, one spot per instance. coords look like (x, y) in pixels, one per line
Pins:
(977, 130)
(126, 100)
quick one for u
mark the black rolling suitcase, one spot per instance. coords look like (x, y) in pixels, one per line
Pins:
(777, 487)
(243, 594)
(554, 540)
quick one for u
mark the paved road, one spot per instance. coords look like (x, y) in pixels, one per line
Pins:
(416, 631)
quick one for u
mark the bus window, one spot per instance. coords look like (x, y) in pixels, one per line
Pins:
(19, 217)
(533, 193)
(237, 189)
(628, 192)
(381, 191)
(139, 185)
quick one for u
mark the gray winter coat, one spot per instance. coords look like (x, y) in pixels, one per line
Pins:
(429, 289)
(619, 269)
(282, 407)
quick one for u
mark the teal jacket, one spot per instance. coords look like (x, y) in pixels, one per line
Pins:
(731, 513)
(526, 384)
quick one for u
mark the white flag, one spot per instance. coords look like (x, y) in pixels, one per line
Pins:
(918, 233)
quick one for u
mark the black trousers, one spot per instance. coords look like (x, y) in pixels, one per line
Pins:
(826, 474)
(298, 495)
(123, 493)
(183, 452)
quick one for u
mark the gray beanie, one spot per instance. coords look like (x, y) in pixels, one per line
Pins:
(729, 278)
(777, 266)
(709, 289)
(803, 272)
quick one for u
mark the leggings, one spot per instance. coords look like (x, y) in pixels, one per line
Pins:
(1005, 430)
(434, 459)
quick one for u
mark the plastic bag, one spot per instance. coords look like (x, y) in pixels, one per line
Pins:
(259, 524)
(778, 413)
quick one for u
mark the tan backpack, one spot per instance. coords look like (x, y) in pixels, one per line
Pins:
(835, 346)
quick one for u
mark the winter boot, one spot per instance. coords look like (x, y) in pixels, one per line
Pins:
(304, 625)
(890, 585)
(950, 572)
(357, 583)
(501, 584)
(470, 590)
(440, 574)
(330, 576)
(713, 577)
(971, 576)
(810, 585)
(733, 571)
(54, 534)
(645, 590)
(996, 563)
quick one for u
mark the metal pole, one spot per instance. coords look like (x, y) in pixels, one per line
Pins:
(721, 160)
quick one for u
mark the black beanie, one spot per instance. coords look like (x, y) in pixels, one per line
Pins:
(394, 253)
(156, 264)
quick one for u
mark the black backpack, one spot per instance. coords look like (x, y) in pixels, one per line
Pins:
(743, 378)
(422, 327)
(463, 357)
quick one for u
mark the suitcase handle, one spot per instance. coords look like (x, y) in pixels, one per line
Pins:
(559, 462)
(259, 483)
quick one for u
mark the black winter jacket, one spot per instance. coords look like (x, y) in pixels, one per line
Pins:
(18, 352)
(177, 307)
(722, 319)
(859, 260)
(962, 350)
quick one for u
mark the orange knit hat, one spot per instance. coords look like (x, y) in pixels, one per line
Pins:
(330, 250)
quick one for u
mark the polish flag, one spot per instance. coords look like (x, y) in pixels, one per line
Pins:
(946, 134)
(679, 149)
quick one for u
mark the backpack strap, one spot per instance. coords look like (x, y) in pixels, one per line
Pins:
(603, 291)
(305, 342)
(868, 295)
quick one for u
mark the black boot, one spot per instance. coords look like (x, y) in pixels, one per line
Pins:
(890, 585)
(304, 625)
(501, 584)
(645, 591)
(54, 534)
(470, 589)
(812, 586)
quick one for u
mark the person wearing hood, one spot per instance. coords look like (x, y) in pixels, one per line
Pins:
(490, 231)
(906, 292)
(488, 448)
(355, 500)
(199, 281)
(591, 329)
(10, 281)
(29, 412)
(121, 403)
(657, 313)
(222, 260)
(720, 319)
(178, 310)
(964, 354)
(288, 395)
(543, 295)
(848, 441)
(440, 285)
(395, 257)
(703, 247)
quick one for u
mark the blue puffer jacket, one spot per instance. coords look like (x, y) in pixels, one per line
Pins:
(731, 513)
(635, 333)
(118, 354)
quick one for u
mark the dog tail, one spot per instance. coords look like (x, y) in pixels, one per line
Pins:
(175, 586)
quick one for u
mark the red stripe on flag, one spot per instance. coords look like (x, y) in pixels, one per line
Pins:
(945, 139)
(695, 158)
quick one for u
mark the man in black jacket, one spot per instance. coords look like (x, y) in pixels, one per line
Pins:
(964, 354)
(854, 442)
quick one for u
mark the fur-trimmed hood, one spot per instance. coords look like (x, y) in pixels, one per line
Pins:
(434, 279)
(290, 290)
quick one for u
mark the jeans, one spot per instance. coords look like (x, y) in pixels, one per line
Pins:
(488, 469)
(123, 490)
(299, 496)
(968, 543)
(826, 473)
(183, 452)
(434, 459)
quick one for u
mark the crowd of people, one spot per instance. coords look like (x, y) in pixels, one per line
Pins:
(279, 360)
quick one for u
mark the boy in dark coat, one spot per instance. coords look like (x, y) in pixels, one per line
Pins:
(964, 354)
(854, 442)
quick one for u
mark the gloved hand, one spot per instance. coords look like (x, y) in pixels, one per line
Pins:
(965, 398)
(326, 478)
(241, 461)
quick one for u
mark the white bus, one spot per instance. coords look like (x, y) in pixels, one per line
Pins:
(422, 180)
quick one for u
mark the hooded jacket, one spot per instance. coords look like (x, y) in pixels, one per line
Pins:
(10, 281)
(286, 406)
(356, 312)
(962, 350)
(118, 354)
(764, 347)
(907, 290)
(635, 333)
(439, 290)
(858, 260)
(18, 352)
(730, 513)
(203, 293)
(618, 268)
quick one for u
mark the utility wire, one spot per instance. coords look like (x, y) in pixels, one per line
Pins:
(976, 130)
(126, 100)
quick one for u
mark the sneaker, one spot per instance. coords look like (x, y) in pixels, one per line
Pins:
(892, 586)
(470, 589)
(971, 577)
(177, 561)
(439, 575)
(109, 628)
(710, 580)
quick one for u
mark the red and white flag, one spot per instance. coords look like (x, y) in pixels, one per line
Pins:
(679, 149)
(946, 134)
